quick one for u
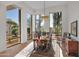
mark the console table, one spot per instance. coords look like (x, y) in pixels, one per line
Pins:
(72, 47)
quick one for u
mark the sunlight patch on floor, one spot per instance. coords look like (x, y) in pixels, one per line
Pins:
(26, 51)
(57, 49)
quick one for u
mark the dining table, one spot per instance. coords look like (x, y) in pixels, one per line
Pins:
(42, 42)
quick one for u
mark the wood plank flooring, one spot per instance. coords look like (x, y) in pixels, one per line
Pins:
(12, 51)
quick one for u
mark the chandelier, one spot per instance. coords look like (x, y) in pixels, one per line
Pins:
(44, 17)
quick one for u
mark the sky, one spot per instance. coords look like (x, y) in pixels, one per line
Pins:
(13, 14)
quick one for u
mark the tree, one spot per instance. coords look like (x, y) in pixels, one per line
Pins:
(57, 19)
(13, 27)
(15, 31)
(28, 30)
(9, 21)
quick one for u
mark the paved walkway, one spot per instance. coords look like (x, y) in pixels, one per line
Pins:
(26, 52)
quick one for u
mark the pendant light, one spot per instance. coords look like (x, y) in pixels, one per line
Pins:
(44, 17)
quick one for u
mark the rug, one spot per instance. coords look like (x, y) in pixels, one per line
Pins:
(48, 53)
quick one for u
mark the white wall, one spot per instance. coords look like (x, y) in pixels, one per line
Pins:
(23, 26)
(2, 29)
(73, 15)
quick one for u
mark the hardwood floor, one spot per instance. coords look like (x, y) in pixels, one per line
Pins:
(12, 51)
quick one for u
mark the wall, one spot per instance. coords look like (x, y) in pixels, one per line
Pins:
(73, 15)
(23, 26)
(2, 29)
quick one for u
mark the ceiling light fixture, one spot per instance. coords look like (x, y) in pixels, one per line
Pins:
(44, 17)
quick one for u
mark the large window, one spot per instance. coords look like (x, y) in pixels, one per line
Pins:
(13, 22)
(55, 22)
(28, 18)
(51, 20)
(37, 23)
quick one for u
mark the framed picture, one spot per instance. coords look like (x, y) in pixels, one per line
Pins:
(74, 26)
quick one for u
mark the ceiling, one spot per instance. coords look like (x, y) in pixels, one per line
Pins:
(38, 5)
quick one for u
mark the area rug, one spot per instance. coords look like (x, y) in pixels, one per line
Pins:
(49, 53)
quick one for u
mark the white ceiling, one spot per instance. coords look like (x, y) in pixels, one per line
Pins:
(38, 5)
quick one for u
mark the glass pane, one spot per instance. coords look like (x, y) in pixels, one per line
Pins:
(37, 17)
(51, 20)
(13, 26)
(28, 18)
